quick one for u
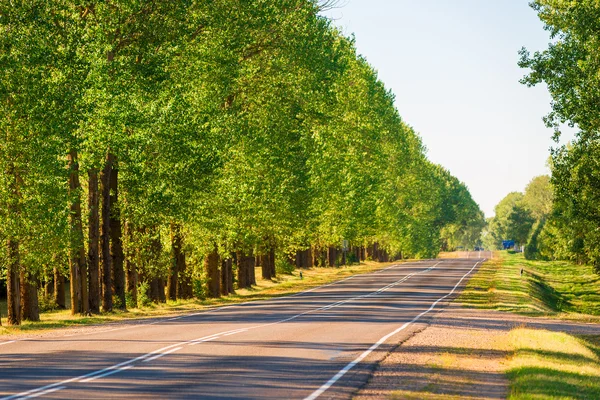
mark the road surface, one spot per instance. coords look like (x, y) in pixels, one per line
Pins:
(322, 343)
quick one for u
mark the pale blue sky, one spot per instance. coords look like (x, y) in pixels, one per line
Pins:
(452, 65)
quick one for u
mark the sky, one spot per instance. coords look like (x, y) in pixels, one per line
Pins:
(452, 65)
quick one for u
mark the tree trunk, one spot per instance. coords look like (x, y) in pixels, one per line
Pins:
(30, 310)
(131, 273)
(272, 263)
(13, 287)
(176, 253)
(107, 304)
(14, 257)
(265, 266)
(241, 270)
(77, 260)
(332, 256)
(59, 289)
(230, 263)
(162, 297)
(224, 277)
(116, 239)
(154, 289)
(211, 266)
(251, 270)
(93, 242)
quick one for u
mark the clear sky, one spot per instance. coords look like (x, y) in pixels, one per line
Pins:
(452, 65)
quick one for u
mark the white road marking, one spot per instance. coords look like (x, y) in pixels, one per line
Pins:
(56, 389)
(162, 354)
(10, 341)
(126, 364)
(351, 365)
(114, 371)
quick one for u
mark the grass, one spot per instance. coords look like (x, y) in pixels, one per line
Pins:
(546, 288)
(543, 364)
(265, 289)
(553, 365)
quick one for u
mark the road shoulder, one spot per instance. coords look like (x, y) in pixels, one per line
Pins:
(463, 353)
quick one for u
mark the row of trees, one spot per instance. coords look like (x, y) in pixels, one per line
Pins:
(161, 149)
(521, 217)
(567, 220)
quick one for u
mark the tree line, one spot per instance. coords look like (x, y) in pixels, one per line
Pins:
(566, 224)
(163, 150)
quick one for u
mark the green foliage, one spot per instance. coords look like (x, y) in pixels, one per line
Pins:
(143, 299)
(570, 69)
(46, 303)
(282, 266)
(250, 125)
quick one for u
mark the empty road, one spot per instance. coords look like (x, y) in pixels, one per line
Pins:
(322, 343)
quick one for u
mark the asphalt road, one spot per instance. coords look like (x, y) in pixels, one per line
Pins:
(321, 343)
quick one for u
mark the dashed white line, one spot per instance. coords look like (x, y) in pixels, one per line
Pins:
(161, 352)
(114, 371)
(56, 389)
(351, 365)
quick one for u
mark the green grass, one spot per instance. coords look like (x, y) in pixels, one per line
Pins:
(265, 289)
(549, 288)
(553, 365)
(544, 364)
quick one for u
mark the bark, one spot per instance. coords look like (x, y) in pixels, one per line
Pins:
(131, 281)
(230, 263)
(272, 262)
(59, 289)
(265, 266)
(176, 253)
(211, 266)
(77, 258)
(116, 239)
(154, 288)
(30, 310)
(241, 270)
(49, 286)
(93, 242)
(107, 303)
(14, 257)
(227, 276)
(363, 253)
(13, 284)
(332, 256)
(251, 270)
(162, 297)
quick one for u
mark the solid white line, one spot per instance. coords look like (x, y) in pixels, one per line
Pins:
(351, 365)
(125, 365)
(56, 389)
(162, 354)
(114, 371)
(10, 341)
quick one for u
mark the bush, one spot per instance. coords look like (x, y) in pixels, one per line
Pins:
(129, 300)
(47, 303)
(143, 300)
(284, 267)
(199, 291)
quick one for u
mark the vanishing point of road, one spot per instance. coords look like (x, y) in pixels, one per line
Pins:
(322, 343)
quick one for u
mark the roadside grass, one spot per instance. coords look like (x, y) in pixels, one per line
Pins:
(284, 284)
(547, 288)
(543, 364)
(553, 365)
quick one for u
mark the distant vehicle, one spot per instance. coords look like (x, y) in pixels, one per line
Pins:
(508, 244)
(478, 248)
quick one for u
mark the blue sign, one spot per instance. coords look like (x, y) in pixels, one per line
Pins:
(508, 244)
